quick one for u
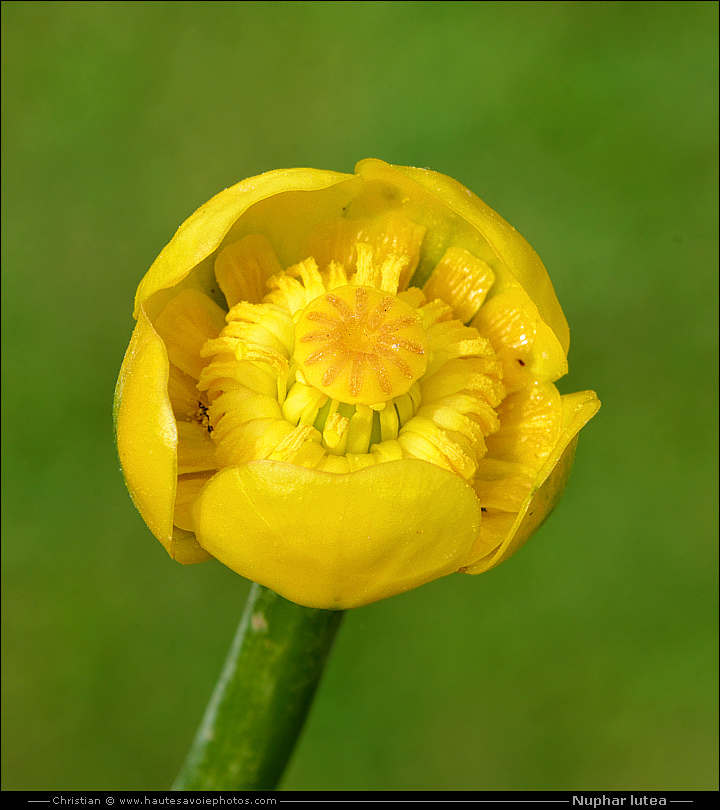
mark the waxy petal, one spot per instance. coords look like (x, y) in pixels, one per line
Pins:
(577, 410)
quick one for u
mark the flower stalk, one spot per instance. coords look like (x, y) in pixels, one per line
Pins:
(263, 696)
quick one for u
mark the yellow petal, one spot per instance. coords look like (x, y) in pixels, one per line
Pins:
(196, 451)
(185, 324)
(577, 410)
(243, 267)
(188, 488)
(524, 344)
(462, 280)
(384, 238)
(184, 548)
(530, 426)
(502, 485)
(146, 434)
(338, 541)
(184, 395)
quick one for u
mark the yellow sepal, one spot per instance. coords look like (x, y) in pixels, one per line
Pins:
(200, 235)
(334, 541)
(147, 439)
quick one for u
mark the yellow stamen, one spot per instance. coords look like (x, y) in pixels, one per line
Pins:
(389, 424)
(275, 320)
(422, 438)
(335, 433)
(302, 404)
(291, 444)
(360, 430)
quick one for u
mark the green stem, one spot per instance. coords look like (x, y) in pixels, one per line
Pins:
(264, 693)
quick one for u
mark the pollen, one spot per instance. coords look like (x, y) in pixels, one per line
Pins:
(360, 345)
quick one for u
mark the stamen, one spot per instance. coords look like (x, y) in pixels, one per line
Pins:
(360, 430)
(335, 433)
(389, 424)
(366, 270)
(292, 443)
(302, 404)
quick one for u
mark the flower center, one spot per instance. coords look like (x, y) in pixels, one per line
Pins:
(340, 368)
(360, 345)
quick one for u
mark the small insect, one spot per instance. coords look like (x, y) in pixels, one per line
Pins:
(202, 417)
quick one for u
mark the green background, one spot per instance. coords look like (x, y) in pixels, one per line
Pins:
(588, 661)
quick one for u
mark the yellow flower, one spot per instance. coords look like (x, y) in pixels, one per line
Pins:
(341, 386)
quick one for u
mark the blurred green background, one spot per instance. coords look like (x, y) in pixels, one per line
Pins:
(588, 661)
